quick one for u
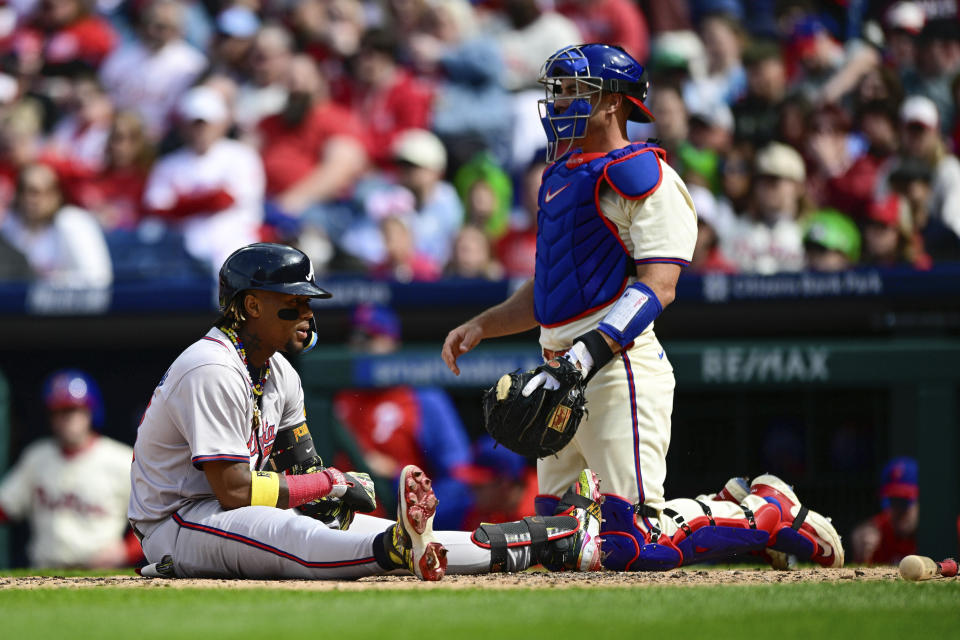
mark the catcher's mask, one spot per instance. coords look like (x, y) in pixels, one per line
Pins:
(270, 267)
(574, 79)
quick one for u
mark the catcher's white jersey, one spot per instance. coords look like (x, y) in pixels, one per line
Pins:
(75, 503)
(202, 411)
(625, 435)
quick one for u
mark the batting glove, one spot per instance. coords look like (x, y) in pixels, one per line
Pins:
(578, 355)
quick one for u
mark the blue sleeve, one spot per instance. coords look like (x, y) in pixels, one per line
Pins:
(443, 437)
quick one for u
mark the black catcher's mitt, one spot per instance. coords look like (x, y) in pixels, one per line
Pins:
(542, 423)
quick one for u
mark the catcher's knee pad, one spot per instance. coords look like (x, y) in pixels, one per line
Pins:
(545, 505)
(549, 539)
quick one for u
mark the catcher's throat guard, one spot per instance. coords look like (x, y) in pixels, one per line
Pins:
(542, 423)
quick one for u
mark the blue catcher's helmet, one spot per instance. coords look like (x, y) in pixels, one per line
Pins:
(72, 388)
(596, 68)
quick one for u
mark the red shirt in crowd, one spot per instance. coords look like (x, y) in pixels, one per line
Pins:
(891, 549)
(87, 40)
(517, 252)
(383, 420)
(403, 105)
(291, 153)
(618, 22)
(853, 190)
(115, 195)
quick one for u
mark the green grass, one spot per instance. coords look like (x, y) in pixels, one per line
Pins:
(842, 610)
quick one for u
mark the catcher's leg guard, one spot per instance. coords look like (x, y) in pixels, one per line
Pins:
(799, 531)
(687, 532)
(566, 542)
(626, 547)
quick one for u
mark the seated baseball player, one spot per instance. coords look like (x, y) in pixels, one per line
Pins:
(226, 482)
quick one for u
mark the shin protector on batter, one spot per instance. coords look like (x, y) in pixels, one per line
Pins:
(556, 542)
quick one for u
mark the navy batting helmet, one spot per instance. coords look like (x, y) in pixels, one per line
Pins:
(270, 267)
(71, 389)
(596, 68)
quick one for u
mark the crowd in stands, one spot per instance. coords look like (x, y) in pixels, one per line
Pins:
(400, 138)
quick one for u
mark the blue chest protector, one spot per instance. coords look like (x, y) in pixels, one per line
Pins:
(582, 265)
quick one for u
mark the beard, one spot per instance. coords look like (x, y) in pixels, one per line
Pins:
(293, 347)
(296, 109)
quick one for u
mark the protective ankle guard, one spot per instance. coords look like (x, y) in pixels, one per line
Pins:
(551, 540)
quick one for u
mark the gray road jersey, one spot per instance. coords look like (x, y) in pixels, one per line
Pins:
(201, 411)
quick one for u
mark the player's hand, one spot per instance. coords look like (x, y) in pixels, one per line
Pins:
(458, 342)
(578, 355)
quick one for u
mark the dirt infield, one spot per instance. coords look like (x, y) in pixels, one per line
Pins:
(529, 580)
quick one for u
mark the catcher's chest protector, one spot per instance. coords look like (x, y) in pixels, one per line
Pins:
(581, 262)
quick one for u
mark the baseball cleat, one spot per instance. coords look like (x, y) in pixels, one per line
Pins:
(735, 490)
(802, 531)
(584, 552)
(412, 543)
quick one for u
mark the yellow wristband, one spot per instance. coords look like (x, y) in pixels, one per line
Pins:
(264, 488)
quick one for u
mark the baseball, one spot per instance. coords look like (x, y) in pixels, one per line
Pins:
(916, 568)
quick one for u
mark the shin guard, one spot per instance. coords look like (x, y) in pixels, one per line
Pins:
(551, 540)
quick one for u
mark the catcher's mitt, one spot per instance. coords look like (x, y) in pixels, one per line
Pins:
(542, 423)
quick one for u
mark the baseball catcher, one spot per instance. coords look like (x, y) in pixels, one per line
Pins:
(615, 227)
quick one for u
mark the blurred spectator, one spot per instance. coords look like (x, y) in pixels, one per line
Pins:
(616, 22)
(264, 93)
(67, 35)
(213, 187)
(852, 189)
(471, 109)
(426, 207)
(73, 488)
(891, 534)
(473, 256)
(504, 486)
(831, 148)
(80, 137)
(769, 239)
(904, 21)
(148, 75)
(670, 115)
(387, 97)
(402, 261)
(726, 79)
(889, 235)
(313, 150)
(487, 194)
(529, 35)
(20, 140)
(831, 241)
(517, 249)
(707, 254)
(736, 173)
(114, 194)
(63, 244)
(911, 179)
(397, 426)
(757, 113)
(938, 62)
(234, 30)
(921, 140)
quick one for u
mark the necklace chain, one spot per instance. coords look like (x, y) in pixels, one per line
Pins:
(255, 387)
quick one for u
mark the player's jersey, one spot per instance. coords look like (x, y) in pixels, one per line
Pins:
(202, 411)
(75, 502)
(661, 227)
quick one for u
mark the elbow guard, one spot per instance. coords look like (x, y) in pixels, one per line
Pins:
(636, 309)
(293, 452)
